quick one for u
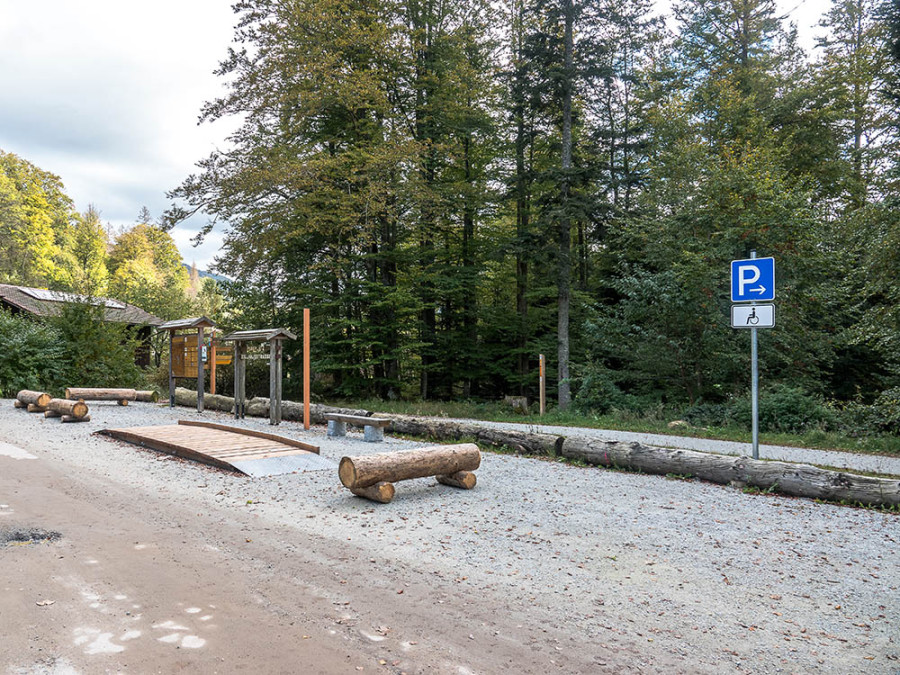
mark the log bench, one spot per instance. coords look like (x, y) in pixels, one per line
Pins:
(373, 476)
(373, 427)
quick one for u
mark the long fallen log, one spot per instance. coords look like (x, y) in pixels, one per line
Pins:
(35, 408)
(38, 398)
(798, 480)
(64, 406)
(100, 394)
(366, 470)
(188, 397)
(146, 396)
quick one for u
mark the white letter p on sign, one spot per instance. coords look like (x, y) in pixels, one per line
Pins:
(747, 274)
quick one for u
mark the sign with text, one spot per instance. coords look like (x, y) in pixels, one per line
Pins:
(753, 280)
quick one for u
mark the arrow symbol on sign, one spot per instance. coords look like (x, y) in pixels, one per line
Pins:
(758, 289)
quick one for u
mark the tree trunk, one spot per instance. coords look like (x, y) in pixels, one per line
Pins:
(364, 471)
(38, 398)
(564, 272)
(798, 480)
(66, 407)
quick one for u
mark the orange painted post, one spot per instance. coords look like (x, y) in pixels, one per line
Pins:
(306, 368)
(212, 362)
(543, 383)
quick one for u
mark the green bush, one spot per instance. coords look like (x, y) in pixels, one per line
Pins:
(707, 415)
(783, 408)
(97, 353)
(597, 393)
(887, 410)
(32, 355)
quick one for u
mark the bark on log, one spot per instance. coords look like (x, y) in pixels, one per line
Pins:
(34, 408)
(52, 413)
(18, 404)
(798, 480)
(366, 470)
(66, 407)
(382, 492)
(440, 430)
(39, 398)
(146, 396)
(461, 479)
(188, 397)
(99, 394)
(72, 418)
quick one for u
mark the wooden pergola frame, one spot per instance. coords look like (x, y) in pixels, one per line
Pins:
(275, 337)
(198, 323)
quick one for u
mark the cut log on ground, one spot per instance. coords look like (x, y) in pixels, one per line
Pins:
(52, 413)
(66, 407)
(382, 492)
(98, 394)
(146, 396)
(39, 398)
(366, 470)
(18, 404)
(799, 480)
(72, 418)
(461, 479)
(35, 408)
(122, 401)
(188, 397)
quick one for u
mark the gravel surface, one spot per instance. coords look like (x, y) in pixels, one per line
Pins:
(716, 579)
(826, 458)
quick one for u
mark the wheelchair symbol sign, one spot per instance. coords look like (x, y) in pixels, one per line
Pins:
(752, 316)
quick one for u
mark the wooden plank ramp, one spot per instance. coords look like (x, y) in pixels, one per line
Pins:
(255, 453)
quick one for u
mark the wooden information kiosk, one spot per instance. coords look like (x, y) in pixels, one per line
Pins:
(186, 353)
(275, 337)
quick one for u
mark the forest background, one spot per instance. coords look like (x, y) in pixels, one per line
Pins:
(455, 188)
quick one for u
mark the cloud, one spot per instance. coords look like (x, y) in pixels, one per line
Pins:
(106, 94)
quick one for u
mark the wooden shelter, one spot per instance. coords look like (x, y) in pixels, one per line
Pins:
(275, 337)
(186, 353)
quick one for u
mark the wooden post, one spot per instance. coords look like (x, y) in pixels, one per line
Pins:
(200, 372)
(306, 368)
(212, 362)
(171, 372)
(543, 385)
(274, 381)
(239, 394)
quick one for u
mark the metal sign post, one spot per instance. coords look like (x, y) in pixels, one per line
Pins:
(753, 280)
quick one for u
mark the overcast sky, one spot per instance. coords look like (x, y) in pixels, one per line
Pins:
(106, 94)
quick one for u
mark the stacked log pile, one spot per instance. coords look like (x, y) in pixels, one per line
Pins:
(65, 410)
(32, 401)
(372, 476)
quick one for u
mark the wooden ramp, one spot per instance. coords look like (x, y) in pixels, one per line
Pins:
(254, 453)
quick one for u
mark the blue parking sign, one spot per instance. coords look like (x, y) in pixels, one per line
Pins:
(753, 279)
